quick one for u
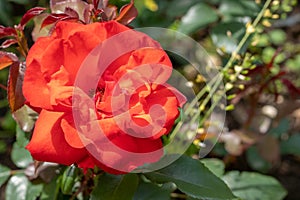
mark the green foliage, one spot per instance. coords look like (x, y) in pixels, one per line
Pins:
(50, 190)
(20, 156)
(192, 178)
(227, 35)
(235, 10)
(147, 191)
(216, 166)
(281, 129)
(291, 145)
(190, 21)
(253, 186)
(4, 174)
(256, 161)
(114, 187)
(19, 187)
(68, 179)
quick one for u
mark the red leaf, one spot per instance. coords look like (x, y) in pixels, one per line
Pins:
(87, 14)
(14, 87)
(127, 13)
(102, 4)
(293, 90)
(53, 18)
(96, 3)
(71, 12)
(30, 14)
(111, 12)
(6, 59)
(7, 31)
(8, 42)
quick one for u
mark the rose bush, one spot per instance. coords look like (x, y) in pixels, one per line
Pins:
(53, 64)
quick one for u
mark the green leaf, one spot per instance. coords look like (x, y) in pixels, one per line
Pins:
(291, 146)
(34, 191)
(146, 191)
(3, 146)
(179, 7)
(253, 186)
(4, 174)
(20, 188)
(115, 187)
(8, 123)
(256, 161)
(20, 156)
(50, 190)
(282, 128)
(5, 13)
(25, 117)
(192, 178)
(197, 17)
(17, 187)
(24, 2)
(21, 138)
(236, 8)
(216, 166)
(227, 36)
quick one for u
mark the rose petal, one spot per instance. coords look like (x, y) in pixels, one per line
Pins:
(48, 142)
(35, 88)
(70, 131)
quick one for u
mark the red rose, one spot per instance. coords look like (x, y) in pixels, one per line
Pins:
(54, 62)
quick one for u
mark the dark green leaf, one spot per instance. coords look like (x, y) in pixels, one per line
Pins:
(198, 16)
(179, 7)
(21, 138)
(17, 187)
(8, 123)
(50, 190)
(147, 191)
(282, 128)
(216, 166)
(291, 146)
(3, 146)
(34, 191)
(256, 161)
(253, 186)
(239, 8)
(192, 178)
(20, 156)
(227, 36)
(24, 2)
(5, 12)
(20, 188)
(115, 187)
(4, 174)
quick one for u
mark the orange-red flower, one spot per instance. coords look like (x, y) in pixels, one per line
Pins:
(52, 66)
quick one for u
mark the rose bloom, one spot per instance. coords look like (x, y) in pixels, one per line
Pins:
(53, 63)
